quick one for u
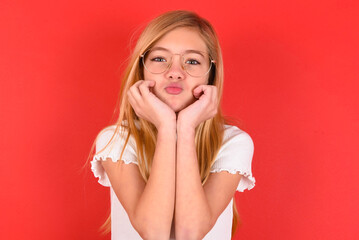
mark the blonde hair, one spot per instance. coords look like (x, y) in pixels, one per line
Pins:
(209, 134)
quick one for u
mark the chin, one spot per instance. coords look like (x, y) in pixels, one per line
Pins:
(176, 109)
(178, 106)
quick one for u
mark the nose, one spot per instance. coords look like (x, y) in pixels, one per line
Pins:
(176, 70)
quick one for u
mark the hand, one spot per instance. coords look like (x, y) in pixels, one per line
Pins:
(202, 109)
(148, 106)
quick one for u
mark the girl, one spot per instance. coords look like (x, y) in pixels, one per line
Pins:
(171, 161)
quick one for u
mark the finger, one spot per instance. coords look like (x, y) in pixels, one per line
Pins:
(215, 97)
(137, 84)
(136, 94)
(214, 93)
(197, 91)
(135, 106)
(131, 99)
(145, 87)
(211, 92)
(203, 91)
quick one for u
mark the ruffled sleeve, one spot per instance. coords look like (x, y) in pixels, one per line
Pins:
(235, 156)
(112, 151)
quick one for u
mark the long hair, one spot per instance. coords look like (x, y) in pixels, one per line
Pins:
(208, 135)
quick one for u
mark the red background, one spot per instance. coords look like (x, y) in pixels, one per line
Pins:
(291, 78)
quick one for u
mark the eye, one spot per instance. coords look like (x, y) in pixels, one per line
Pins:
(158, 59)
(192, 62)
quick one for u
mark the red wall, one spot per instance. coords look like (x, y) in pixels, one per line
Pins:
(291, 72)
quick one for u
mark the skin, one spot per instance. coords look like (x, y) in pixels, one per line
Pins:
(195, 104)
(174, 192)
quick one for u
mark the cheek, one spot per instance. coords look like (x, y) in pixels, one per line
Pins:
(149, 76)
(145, 75)
(157, 88)
(202, 81)
(198, 82)
(155, 91)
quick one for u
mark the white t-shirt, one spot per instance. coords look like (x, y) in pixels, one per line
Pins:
(235, 156)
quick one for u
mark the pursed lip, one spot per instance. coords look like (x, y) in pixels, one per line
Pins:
(174, 85)
(173, 88)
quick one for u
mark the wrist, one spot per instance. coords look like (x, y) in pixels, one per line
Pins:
(185, 128)
(167, 123)
(167, 127)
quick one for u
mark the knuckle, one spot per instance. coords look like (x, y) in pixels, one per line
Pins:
(132, 88)
(142, 86)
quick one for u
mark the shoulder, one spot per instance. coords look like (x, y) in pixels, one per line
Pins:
(236, 151)
(111, 144)
(113, 139)
(108, 133)
(235, 156)
(123, 126)
(107, 130)
(233, 135)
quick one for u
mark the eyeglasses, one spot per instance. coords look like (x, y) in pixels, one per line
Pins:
(195, 63)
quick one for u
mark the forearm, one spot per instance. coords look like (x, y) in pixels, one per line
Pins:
(156, 205)
(192, 211)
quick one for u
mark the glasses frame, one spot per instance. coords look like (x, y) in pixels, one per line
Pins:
(212, 62)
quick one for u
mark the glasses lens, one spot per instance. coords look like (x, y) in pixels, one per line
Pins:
(157, 61)
(196, 64)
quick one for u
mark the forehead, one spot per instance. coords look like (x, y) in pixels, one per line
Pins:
(182, 39)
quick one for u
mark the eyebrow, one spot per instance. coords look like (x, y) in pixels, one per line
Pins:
(187, 51)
